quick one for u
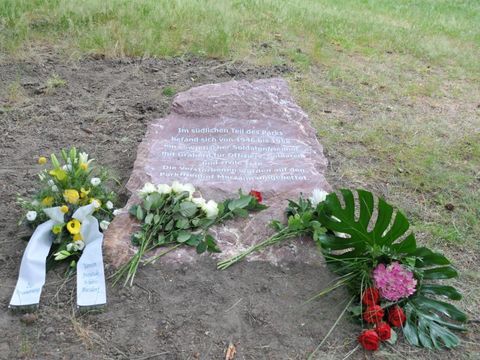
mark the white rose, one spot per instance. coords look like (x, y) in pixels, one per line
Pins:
(95, 181)
(31, 215)
(104, 225)
(148, 188)
(179, 187)
(164, 189)
(200, 202)
(54, 188)
(96, 204)
(116, 212)
(109, 205)
(210, 209)
(318, 196)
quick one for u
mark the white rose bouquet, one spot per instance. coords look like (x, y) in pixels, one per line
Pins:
(173, 216)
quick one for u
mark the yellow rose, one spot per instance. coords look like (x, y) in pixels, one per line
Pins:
(58, 173)
(84, 193)
(77, 237)
(73, 226)
(42, 160)
(57, 229)
(47, 201)
(84, 166)
(64, 209)
(71, 196)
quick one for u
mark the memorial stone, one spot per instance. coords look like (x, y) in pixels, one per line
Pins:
(222, 138)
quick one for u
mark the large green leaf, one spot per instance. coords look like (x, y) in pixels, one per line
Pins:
(437, 273)
(388, 229)
(430, 305)
(440, 290)
(428, 330)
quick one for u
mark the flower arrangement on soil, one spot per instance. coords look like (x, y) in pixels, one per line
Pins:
(391, 279)
(172, 216)
(65, 187)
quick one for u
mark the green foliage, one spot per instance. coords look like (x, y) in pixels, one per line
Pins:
(379, 234)
(174, 219)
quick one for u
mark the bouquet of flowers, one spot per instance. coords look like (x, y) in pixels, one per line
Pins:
(392, 280)
(176, 215)
(66, 185)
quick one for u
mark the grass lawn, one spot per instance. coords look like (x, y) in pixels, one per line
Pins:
(391, 86)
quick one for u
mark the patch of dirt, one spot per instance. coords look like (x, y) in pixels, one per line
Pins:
(186, 312)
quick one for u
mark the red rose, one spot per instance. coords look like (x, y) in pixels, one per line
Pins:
(373, 314)
(257, 195)
(370, 296)
(396, 316)
(369, 340)
(383, 330)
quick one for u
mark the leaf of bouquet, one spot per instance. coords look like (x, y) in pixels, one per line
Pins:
(409, 328)
(426, 257)
(430, 305)
(148, 219)
(188, 209)
(442, 272)
(441, 335)
(182, 223)
(183, 236)
(240, 203)
(201, 247)
(440, 290)
(139, 213)
(211, 244)
(342, 220)
(240, 212)
(153, 201)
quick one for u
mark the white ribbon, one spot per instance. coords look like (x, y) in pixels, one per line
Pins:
(90, 273)
(32, 269)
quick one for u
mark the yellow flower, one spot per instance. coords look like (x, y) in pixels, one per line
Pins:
(64, 209)
(73, 226)
(58, 173)
(71, 196)
(42, 160)
(77, 237)
(57, 229)
(47, 201)
(84, 193)
(84, 166)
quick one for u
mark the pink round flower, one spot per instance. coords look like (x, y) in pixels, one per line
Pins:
(394, 281)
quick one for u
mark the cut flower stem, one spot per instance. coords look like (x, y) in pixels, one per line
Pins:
(283, 234)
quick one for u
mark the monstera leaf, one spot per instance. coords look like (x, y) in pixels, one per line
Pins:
(378, 233)
(387, 227)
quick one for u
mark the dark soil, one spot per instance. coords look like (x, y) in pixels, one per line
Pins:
(183, 312)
